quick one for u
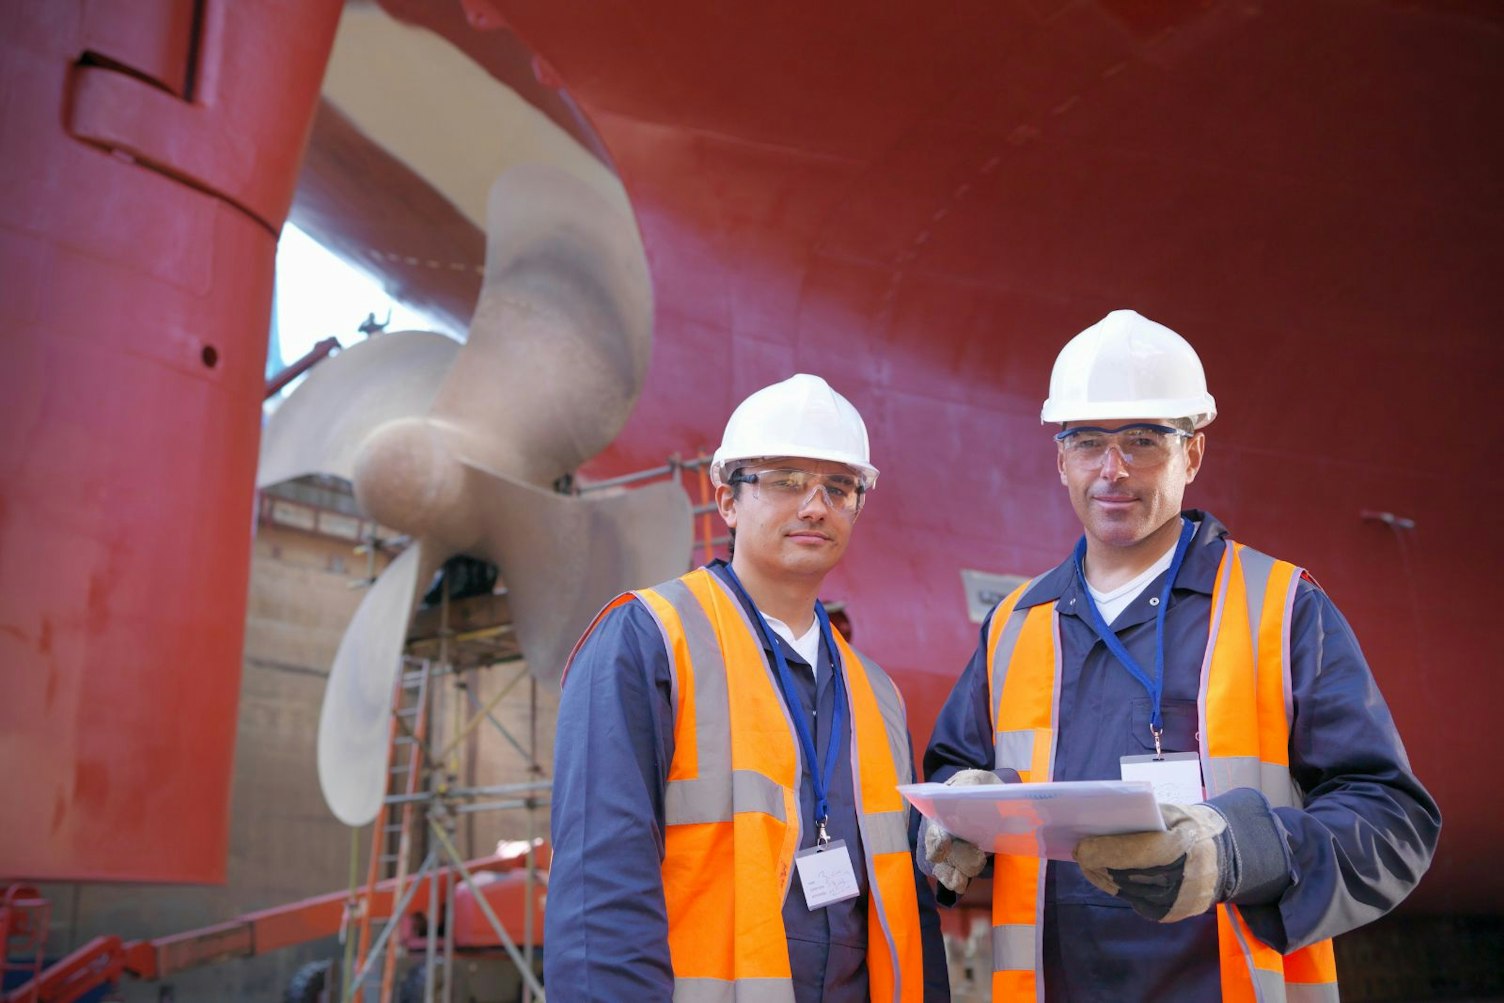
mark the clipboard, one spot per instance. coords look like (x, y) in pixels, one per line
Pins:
(1038, 820)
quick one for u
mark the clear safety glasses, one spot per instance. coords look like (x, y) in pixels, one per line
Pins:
(1143, 446)
(843, 492)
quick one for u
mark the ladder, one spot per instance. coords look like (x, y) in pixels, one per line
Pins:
(393, 829)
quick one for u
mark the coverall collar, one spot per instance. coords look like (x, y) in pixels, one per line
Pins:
(718, 568)
(1198, 574)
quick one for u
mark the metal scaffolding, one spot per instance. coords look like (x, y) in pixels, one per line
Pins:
(433, 794)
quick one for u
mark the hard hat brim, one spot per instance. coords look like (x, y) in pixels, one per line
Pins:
(1200, 410)
(721, 466)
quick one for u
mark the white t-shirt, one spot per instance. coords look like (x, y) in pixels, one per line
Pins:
(1110, 604)
(808, 645)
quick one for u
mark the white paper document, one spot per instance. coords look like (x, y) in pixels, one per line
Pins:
(1038, 820)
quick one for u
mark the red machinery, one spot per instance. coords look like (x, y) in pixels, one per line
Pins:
(502, 880)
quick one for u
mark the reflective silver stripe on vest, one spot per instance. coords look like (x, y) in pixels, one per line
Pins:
(1227, 772)
(1270, 778)
(1015, 749)
(719, 792)
(1268, 987)
(708, 798)
(740, 991)
(788, 722)
(1220, 775)
(1256, 568)
(1312, 992)
(686, 802)
(1006, 642)
(1014, 947)
(1287, 615)
(1223, 773)
(886, 832)
(751, 791)
(883, 831)
(890, 706)
(1209, 769)
(1279, 787)
(673, 666)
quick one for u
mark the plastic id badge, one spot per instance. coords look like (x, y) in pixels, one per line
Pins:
(826, 874)
(1176, 777)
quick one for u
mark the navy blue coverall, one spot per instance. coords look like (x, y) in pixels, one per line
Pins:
(1362, 841)
(606, 928)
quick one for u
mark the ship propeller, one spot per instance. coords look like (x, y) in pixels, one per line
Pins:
(459, 447)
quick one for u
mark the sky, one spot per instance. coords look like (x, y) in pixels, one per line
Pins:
(319, 294)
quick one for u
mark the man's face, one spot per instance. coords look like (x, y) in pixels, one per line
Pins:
(1121, 504)
(786, 535)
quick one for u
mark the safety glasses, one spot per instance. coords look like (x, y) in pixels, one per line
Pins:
(843, 493)
(1143, 445)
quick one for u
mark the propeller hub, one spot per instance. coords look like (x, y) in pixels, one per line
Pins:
(406, 476)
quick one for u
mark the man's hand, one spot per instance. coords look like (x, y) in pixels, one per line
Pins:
(1166, 876)
(952, 860)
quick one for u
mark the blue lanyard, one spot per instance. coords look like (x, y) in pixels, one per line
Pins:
(1156, 685)
(819, 778)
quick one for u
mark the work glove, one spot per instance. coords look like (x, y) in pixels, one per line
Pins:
(952, 860)
(1166, 876)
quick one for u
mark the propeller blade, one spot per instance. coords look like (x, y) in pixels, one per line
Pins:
(564, 557)
(320, 426)
(562, 330)
(356, 719)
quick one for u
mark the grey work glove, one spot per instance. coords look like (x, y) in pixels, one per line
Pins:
(952, 860)
(1166, 876)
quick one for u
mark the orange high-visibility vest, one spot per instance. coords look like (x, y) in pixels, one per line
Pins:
(732, 810)
(1244, 710)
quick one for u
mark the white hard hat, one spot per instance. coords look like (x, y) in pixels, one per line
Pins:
(800, 417)
(1127, 366)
